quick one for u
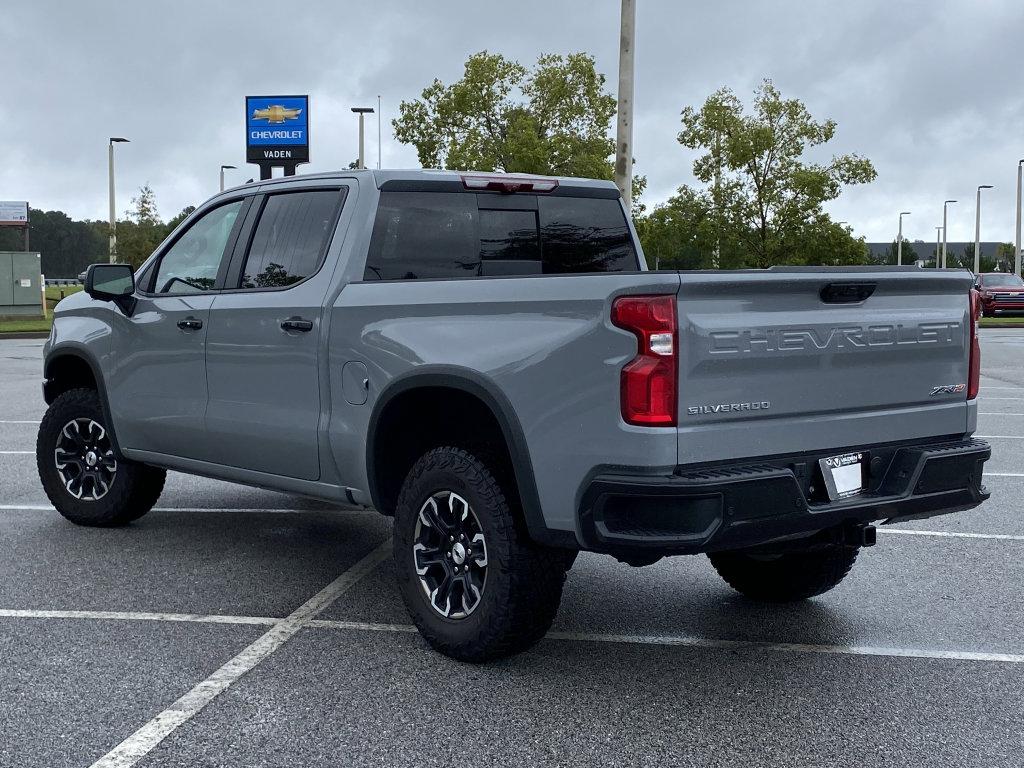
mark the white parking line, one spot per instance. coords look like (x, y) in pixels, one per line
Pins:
(280, 510)
(1011, 399)
(704, 642)
(997, 413)
(985, 388)
(1000, 437)
(140, 743)
(199, 618)
(1004, 474)
(952, 534)
(7, 421)
(17, 453)
(218, 682)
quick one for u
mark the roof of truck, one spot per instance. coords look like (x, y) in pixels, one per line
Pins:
(431, 177)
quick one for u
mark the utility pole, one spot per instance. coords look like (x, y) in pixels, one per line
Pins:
(1016, 244)
(112, 255)
(977, 229)
(362, 112)
(378, 131)
(899, 240)
(944, 204)
(938, 233)
(624, 130)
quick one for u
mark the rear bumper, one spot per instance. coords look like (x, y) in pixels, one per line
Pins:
(739, 505)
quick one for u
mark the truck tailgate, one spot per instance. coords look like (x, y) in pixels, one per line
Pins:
(790, 360)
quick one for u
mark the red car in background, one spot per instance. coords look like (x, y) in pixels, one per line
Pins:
(999, 291)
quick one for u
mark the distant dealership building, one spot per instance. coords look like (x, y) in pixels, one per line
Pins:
(956, 253)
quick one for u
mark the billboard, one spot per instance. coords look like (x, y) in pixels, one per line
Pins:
(13, 213)
(277, 130)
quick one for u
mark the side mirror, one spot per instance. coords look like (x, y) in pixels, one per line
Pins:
(111, 282)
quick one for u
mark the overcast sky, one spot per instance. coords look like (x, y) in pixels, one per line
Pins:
(932, 92)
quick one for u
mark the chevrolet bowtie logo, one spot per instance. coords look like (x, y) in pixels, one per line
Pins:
(275, 113)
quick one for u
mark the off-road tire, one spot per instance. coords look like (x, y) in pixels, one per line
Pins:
(524, 580)
(134, 489)
(786, 577)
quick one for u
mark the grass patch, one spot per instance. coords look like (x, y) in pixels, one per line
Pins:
(997, 321)
(38, 324)
(25, 325)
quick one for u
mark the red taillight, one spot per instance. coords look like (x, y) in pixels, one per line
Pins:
(974, 366)
(503, 183)
(648, 385)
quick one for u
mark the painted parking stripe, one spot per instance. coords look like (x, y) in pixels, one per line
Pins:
(199, 618)
(17, 453)
(139, 744)
(952, 534)
(704, 642)
(280, 510)
(8, 421)
(1000, 437)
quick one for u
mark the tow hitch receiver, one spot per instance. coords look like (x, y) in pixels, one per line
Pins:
(860, 536)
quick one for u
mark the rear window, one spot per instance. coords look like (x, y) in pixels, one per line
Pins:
(420, 235)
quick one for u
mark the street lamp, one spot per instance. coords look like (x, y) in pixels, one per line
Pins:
(938, 234)
(977, 229)
(944, 204)
(222, 169)
(1016, 249)
(362, 112)
(110, 178)
(899, 240)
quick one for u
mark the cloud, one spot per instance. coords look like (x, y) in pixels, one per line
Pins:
(927, 90)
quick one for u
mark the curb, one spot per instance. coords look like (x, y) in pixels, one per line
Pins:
(1019, 326)
(25, 335)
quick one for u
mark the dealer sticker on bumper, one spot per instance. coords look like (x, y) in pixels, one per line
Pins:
(844, 475)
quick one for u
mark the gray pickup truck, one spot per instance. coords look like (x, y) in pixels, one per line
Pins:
(487, 359)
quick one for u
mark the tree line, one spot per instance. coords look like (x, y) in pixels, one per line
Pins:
(67, 246)
(758, 200)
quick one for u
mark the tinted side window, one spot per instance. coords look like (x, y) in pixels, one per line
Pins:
(191, 264)
(584, 234)
(290, 238)
(424, 234)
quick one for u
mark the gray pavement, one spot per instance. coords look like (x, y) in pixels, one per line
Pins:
(916, 659)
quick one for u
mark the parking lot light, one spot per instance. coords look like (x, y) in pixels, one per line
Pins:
(112, 254)
(222, 169)
(899, 240)
(1016, 243)
(944, 230)
(977, 229)
(362, 112)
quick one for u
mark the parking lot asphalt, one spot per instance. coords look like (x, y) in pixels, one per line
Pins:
(240, 627)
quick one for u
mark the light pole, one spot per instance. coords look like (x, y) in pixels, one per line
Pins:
(899, 240)
(944, 204)
(110, 178)
(624, 128)
(1016, 243)
(379, 110)
(977, 229)
(362, 112)
(222, 169)
(938, 234)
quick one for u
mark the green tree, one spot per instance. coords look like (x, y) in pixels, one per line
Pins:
(553, 119)
(141, 230)
(1004, 257)
(909, 253)
(762, 199)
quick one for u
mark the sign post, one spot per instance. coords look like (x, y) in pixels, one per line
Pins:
(14, 213)
(276, 132)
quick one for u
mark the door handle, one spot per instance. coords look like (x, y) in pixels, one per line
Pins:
(190, 324)
(297, 324)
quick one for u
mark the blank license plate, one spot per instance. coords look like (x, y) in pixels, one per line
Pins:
(844, 475)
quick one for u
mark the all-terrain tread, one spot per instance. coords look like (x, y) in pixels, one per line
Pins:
(528, 591)
(136, 487)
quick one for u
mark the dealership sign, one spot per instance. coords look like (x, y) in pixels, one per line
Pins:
(13, 213)
(277, 131)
